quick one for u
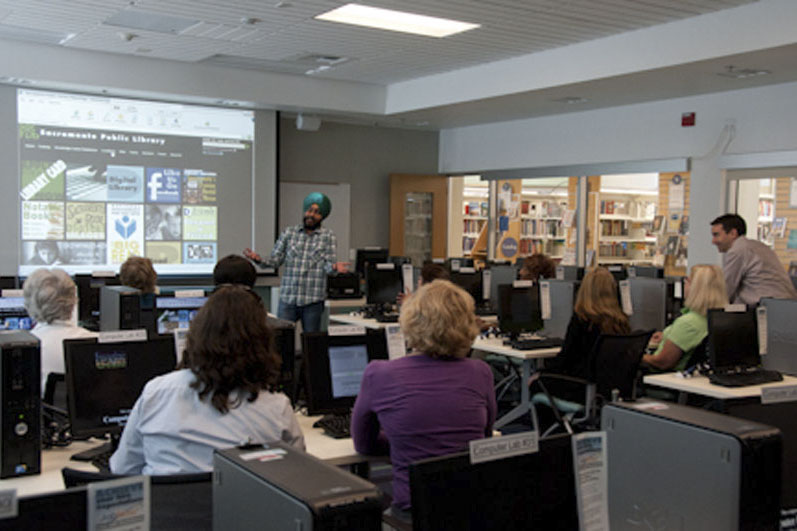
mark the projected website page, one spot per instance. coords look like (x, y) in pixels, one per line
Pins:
(102, 179)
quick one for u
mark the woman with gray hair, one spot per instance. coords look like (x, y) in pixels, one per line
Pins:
(50, 297)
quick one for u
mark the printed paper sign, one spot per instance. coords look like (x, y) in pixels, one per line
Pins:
(8, 503)
(761, 317)
(778, 393)
(625, 297)
(346, 330)
(494, 448)
(118, 336)
(589, 465)
(396, 345)
(125, 230)
(120, 504)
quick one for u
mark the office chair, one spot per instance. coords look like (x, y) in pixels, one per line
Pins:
(178, 502)
(613, 368)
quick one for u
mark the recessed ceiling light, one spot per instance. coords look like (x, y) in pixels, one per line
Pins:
(387, 19)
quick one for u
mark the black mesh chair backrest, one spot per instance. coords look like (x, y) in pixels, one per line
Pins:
(615, 362)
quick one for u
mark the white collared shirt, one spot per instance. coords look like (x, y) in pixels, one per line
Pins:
(51, 336)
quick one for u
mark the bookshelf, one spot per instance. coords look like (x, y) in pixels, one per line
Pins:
(624, 227)
(766, 212)
(541, 229)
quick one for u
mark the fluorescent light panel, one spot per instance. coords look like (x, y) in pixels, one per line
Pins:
(387, 19)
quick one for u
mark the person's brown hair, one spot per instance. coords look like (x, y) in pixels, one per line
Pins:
(538, 266)
(230, 349)
(597, 303)
(137, 272)
(431, 272)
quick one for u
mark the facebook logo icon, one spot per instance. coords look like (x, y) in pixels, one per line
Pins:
(163, 185)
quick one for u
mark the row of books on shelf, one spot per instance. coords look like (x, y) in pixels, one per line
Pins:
(622, 249)
(476, 208)
(468, 243)
(472, 225)
(543, 209)
(550, 248)
(614, 228)
(766, 208)
(540, 227)
(631, 208)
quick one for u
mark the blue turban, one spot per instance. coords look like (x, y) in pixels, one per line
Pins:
(323, 202)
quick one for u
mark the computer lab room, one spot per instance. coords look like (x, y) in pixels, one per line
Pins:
(311, 264)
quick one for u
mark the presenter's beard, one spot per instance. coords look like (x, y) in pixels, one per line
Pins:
(310, 224)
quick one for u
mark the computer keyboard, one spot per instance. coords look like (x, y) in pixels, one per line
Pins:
(102, 461)
(335, 425)
(387, 318)
(742, 379)
(535, 343)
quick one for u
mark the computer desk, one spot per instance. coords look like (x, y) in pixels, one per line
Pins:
(338, 452)
(700, 385)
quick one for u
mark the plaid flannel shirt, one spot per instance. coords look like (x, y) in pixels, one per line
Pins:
(308, 258)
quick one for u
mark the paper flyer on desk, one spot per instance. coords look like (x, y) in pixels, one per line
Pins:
(590, 468)
(119, 505)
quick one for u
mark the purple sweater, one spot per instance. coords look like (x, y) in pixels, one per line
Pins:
(425, 407)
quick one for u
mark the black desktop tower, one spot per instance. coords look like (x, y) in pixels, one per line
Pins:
(20, 388)
(126, 308)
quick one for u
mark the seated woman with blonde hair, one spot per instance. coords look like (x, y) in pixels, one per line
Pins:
(433, 401)
(704, 289)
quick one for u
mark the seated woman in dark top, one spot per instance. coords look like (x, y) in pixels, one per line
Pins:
(597, 311)
(433, 401)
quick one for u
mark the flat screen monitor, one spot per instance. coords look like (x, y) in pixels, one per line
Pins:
(455, 264)
(13, 315)
(10, 282)
(649, 303)
(176, 312)
(519, 309)
(470, 282)
(334, 367)
(618, 272)
(369, 255)
(88, 294)
(646, 271)
(781, 337)
(500, 274)
(383, 283)
(531, 491)
(103, 380)
(733, 339)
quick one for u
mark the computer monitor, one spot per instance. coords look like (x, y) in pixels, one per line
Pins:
(781, 336)
(519, 309)
(383, 283)
(645, 271)
(470, 282)
(649, 303)
(334, 366)
(10, 282)
(732, 339)
(104, 380)
(13, 315)
(569, 272)
(455, 264)
(618, 272)
(500, 274)
(530, 491)
(88, 294)
(176, 312)
(369, 255)
(563, 299)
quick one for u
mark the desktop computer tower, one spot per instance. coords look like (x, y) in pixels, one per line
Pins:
(275, 486)
(126, 308)
(679, 467)
(20, 389)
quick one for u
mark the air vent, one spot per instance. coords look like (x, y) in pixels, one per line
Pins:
(147, 21)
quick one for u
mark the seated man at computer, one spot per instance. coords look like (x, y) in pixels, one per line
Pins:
(50, 298)
(704, 289)
(433, 401)
(221, 395)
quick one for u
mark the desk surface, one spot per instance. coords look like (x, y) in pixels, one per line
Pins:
(345, 303)
(357, 320)
(339, 451)
(701, 386)
(495, 345)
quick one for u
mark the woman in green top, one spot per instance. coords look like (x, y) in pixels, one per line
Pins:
(704, 289)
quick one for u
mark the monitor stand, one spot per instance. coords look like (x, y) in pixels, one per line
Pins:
(92, 453)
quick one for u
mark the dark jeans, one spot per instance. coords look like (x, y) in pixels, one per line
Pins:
(310, 314)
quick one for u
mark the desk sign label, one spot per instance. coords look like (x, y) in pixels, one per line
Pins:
(8, 503)
(346, 330)
(495, 448)
(189, 293)
(120, 504)
(117, 336)
(12, 293)
(778, 393)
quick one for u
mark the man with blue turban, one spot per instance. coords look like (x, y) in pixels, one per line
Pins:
(309, 253)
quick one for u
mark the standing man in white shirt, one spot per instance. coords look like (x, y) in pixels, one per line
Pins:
(752, 270)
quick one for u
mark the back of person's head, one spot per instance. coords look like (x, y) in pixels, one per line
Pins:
(439, 319)
(50, 295)
(597, 302)
(230, 349)
(137, 272)
(731, 221)
(234, 269)
(538, 266)
(431, 271)
(706, 289)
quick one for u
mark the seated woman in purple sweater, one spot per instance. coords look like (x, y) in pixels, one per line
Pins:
(433, 401)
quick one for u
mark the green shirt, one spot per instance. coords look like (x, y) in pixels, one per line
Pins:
(686, 333)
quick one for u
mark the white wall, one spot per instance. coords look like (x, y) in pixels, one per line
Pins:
(764, 119)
